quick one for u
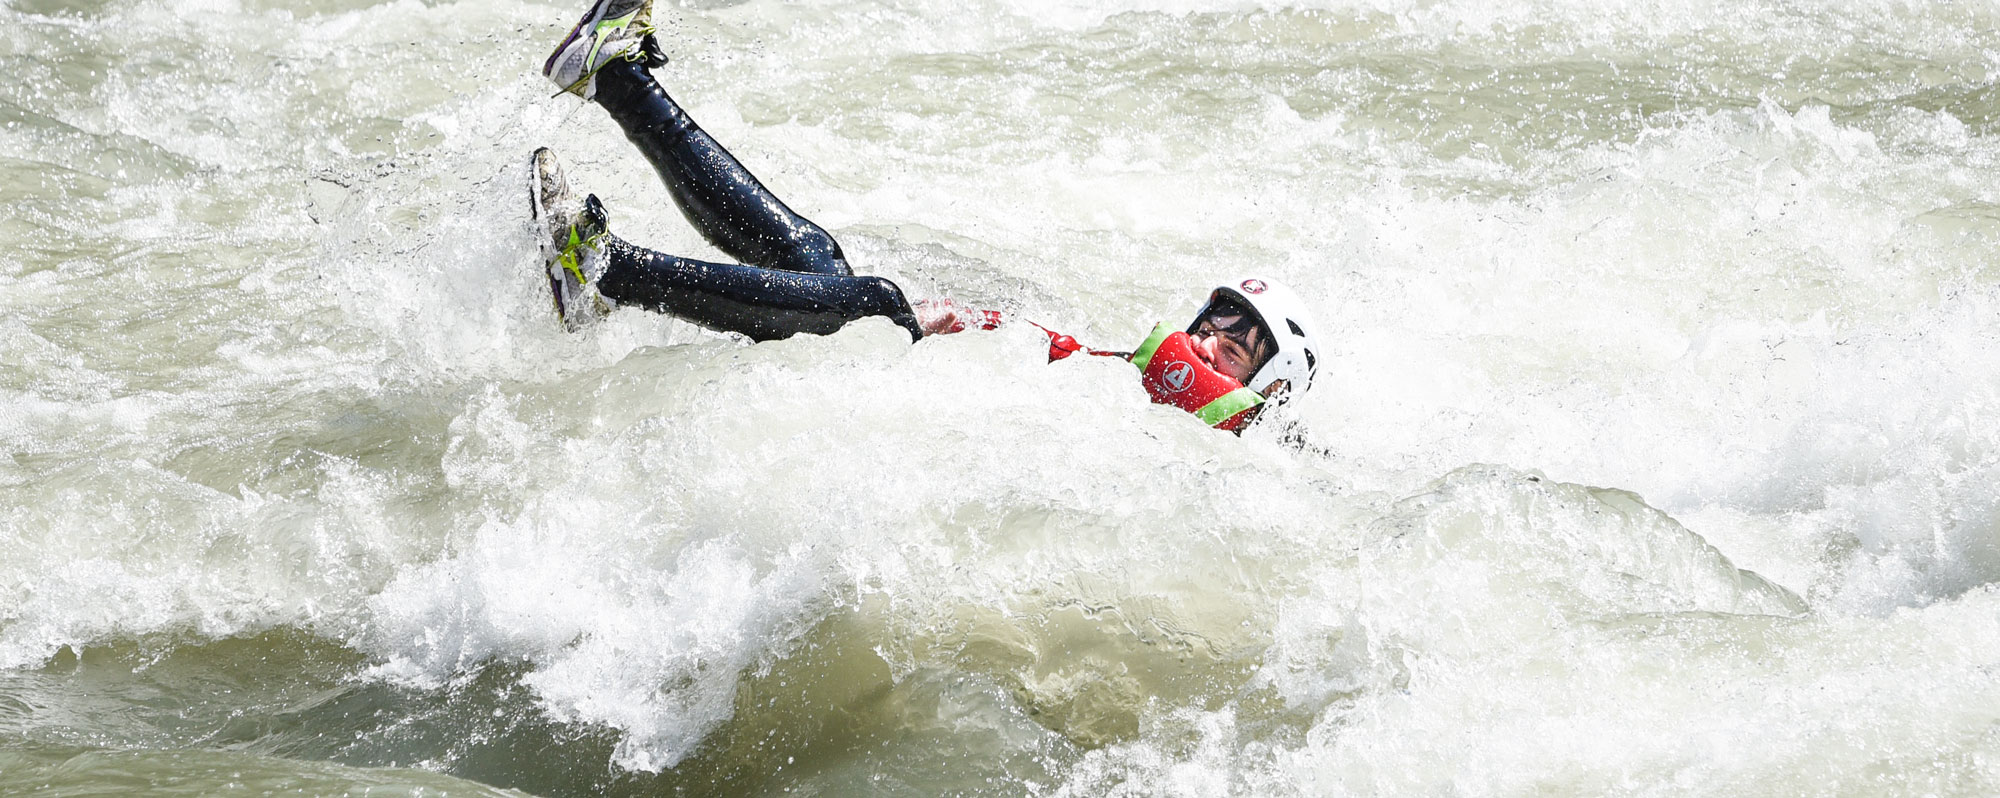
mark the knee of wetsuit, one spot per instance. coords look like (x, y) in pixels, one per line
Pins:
(819, 246)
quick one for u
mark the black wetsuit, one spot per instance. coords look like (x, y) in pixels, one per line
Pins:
(793, 278)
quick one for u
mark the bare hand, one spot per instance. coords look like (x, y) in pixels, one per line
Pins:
(937, 316)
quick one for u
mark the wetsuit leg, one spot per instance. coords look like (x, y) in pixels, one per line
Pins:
(764, 304)
(723, 201)
(797, 279)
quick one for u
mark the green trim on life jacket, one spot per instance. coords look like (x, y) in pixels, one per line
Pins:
(1143, 356)
(1226, 406)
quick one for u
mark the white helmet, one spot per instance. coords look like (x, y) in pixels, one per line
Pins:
(1284, 317)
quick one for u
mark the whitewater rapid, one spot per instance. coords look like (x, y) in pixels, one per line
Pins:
(1652, 450)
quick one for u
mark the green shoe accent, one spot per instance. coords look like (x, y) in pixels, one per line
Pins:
(571, 258)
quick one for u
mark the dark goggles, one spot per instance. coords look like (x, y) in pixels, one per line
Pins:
(1233, 319)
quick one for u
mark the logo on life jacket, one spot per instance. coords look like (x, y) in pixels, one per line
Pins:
(1254, 286)
(1170, 371)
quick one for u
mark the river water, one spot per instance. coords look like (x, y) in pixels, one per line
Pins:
(1653, 449)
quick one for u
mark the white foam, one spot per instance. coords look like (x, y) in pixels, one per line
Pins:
(277, 354)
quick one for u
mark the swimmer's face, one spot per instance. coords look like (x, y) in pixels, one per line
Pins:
(1230, 339)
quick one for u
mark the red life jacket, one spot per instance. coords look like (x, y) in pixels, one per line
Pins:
(1174, 375)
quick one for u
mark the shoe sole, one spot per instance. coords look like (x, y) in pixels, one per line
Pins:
(544, 233)
(590, 22)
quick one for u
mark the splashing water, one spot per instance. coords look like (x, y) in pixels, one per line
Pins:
(305, 490)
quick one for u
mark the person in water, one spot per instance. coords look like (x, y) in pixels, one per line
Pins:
(1249, 348)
